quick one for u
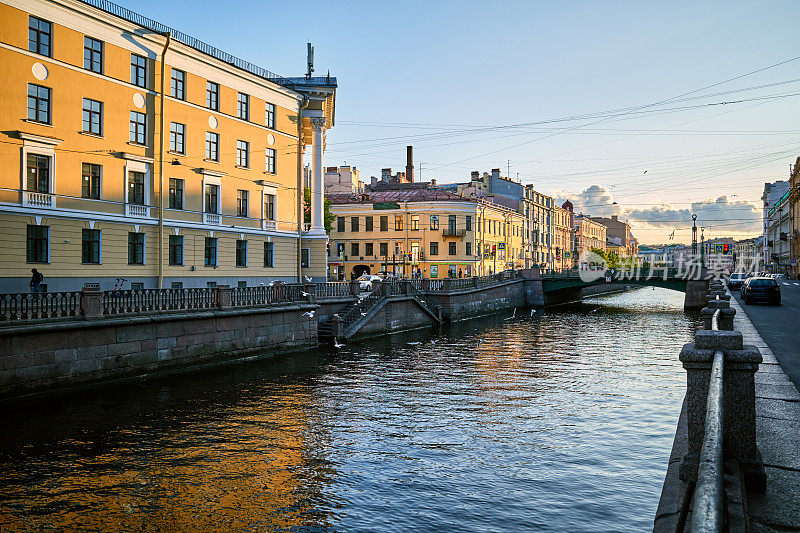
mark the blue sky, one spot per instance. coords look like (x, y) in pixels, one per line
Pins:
(431, 73)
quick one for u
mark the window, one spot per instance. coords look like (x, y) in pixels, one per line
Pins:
(212, 146)
(340, 224)
(383, 249)
(93, 54)
(139, 70)
(269, 207)
(469, 248)
(90, 246)
(241, 253)
(177, 137)
(241, 203)
(176, 285)
(175, 193)
(243, 106)
(305, 260)
(354, 249)
(414, 222)
(211, 284)
(211, 252)
(92, 117)
(269, 254)
(212, 198)
(398, 222)
(242, 154)
(38, 245)
(40, 36)
(384, 223)
(434, 248)
(270, 115)
(176, 250)
(212, 95)
(353, 224)
(138, 127)
(135, 248)
(177, 84)
(38, 173)
(136, 188)
(368, 224)
(38, 103)
(468, 223)
(451, 224)
(90, 186)
(369, 249)
(452, 248)
(271, 156)
(434, 221)
(241, 284)
(340, 250)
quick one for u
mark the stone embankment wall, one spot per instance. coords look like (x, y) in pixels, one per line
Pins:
(49, 356)
(477, 302)
(400, 313)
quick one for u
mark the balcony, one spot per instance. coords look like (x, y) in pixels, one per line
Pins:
(38, 199)
(452, 232)
(212, 218)
(137, 211)
(306, 227)
(269, 225)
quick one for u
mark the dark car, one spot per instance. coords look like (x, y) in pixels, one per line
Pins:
(764, 290)
(736, 280)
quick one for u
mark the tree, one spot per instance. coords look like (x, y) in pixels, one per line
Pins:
(328, 217)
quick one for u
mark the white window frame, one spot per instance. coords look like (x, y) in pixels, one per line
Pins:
(266, 223)
(134, 163)
(213, 218)
(38, 145)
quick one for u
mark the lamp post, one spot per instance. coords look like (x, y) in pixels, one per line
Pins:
(694, 235)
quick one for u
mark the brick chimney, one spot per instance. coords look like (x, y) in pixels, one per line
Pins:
(410, 164)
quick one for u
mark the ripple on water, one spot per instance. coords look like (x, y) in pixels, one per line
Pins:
(558, 422)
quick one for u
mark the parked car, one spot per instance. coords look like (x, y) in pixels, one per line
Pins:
(761, 289)
(736, 280)
(365, 281)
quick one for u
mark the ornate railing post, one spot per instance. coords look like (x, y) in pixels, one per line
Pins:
(224, 296)
(91, 303)
(355, 287)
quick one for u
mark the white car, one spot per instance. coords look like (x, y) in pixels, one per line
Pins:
(365, 281)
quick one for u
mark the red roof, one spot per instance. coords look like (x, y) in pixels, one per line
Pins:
(409, 195)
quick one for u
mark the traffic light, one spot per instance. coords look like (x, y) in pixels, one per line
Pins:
(726, 248)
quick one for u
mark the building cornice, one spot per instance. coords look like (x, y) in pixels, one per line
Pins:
(40, 139)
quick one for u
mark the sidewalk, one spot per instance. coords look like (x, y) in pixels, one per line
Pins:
(777, 437)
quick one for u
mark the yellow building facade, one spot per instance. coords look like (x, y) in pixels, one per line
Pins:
(426, 233)
(138, 158)
(588, 234)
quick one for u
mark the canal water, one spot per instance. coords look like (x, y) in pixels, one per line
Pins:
(560, 421)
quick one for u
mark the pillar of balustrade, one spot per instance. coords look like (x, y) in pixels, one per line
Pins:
(739, 421)
(224, 296)
(355, 287)
(91, 303)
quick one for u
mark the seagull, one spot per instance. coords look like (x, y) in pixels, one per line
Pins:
(512, 314)
(308, 279)
(363, 314)
(594, 310)
(309, 314)
(304, 293)
(480, 341)
(336, 343)
(433, 342)
(262, 283)
(645, 172)
(533, 311)
(414, 343)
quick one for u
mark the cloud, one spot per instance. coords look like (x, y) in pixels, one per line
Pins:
(721, 215)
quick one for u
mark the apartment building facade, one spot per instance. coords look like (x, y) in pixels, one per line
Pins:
(589, 234)
(423, 231)
(794, 209)
(132, 151)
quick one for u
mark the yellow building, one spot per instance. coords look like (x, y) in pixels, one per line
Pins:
(130, 150)
(563, 242)
(422, 231)
(588, 234)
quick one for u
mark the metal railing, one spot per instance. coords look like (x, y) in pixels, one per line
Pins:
(361, 308)
(125, 302)
(333, 289)
(41, 305)
(708, 492)
(283, 293)
(197, 44)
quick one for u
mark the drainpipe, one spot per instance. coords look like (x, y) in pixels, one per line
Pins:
(300, 189)
(161, 172)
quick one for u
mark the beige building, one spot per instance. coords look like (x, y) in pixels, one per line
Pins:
(563, 241)
(794, 208)
(588, 234)
(130, 150)
(618, 236)
(345, 179)
(422, 229)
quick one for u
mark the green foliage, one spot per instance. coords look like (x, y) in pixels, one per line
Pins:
(327, 215)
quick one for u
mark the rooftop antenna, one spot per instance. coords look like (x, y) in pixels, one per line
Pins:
(310, 60)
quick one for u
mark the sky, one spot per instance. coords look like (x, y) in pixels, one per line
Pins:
(649, 110)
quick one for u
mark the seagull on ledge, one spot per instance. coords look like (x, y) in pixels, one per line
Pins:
(310, 314)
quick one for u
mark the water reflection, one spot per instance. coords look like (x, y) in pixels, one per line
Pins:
(560, 421)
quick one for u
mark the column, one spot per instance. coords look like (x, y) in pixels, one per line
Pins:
(317, 185)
